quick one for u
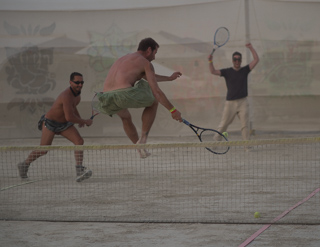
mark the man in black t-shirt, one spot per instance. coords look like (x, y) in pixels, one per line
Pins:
(237, 91)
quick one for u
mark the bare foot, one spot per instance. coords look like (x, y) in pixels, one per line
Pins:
(143, 152)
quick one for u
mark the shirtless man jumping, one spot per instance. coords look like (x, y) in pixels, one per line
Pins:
(132, 83)
(59, 120)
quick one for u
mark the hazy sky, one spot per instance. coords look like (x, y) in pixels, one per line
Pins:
(101, 4)
(91, 4)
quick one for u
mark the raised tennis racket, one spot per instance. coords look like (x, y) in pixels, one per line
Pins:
(207, 135)
(94, 106)
(220, 38)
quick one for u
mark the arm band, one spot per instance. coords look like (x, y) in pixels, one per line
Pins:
(173, 109)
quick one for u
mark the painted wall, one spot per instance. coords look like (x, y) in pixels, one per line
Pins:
(39, 50)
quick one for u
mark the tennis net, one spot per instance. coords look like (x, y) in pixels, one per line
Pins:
(179, 182)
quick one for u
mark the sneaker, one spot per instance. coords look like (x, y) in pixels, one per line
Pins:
(82, 173)
(23, 169)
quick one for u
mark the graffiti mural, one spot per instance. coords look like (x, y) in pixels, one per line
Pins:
(27, 71)
(105, 48)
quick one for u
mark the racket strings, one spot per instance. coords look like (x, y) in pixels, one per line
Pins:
(211, 136)
(95, 103)
(221, 37)
(95, 106)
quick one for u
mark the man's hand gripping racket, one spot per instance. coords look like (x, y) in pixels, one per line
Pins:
(207, 135)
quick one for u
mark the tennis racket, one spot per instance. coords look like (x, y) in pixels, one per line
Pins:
(220, 38)
(94, 106)
(207, 135)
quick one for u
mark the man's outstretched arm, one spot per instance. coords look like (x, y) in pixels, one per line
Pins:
(255, 60)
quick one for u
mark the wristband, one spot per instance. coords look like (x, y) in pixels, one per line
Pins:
(210, 61)
(173, 109)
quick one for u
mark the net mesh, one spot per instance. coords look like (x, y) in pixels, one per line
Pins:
(179, 182)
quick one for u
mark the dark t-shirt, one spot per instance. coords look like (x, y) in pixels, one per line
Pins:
(237, 82)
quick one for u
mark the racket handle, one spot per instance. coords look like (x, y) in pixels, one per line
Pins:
(185, 122)
(213, 50)
(93, 116)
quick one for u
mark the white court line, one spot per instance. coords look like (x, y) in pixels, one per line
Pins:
(16, 185)
(256, 234)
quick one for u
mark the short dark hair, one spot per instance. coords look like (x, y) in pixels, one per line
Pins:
(73, 74)
(236, 53)
(146, 43)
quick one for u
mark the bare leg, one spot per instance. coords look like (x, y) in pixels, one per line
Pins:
(130, 129)
(128, 125)
(46, 139)
(73, 135)
(148, 117)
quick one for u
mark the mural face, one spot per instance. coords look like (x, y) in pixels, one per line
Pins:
(28, 66)
(28, 70)
(28, 73)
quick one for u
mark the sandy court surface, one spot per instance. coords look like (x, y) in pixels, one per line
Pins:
(16, 234)
(69, 234)
(40, 234)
